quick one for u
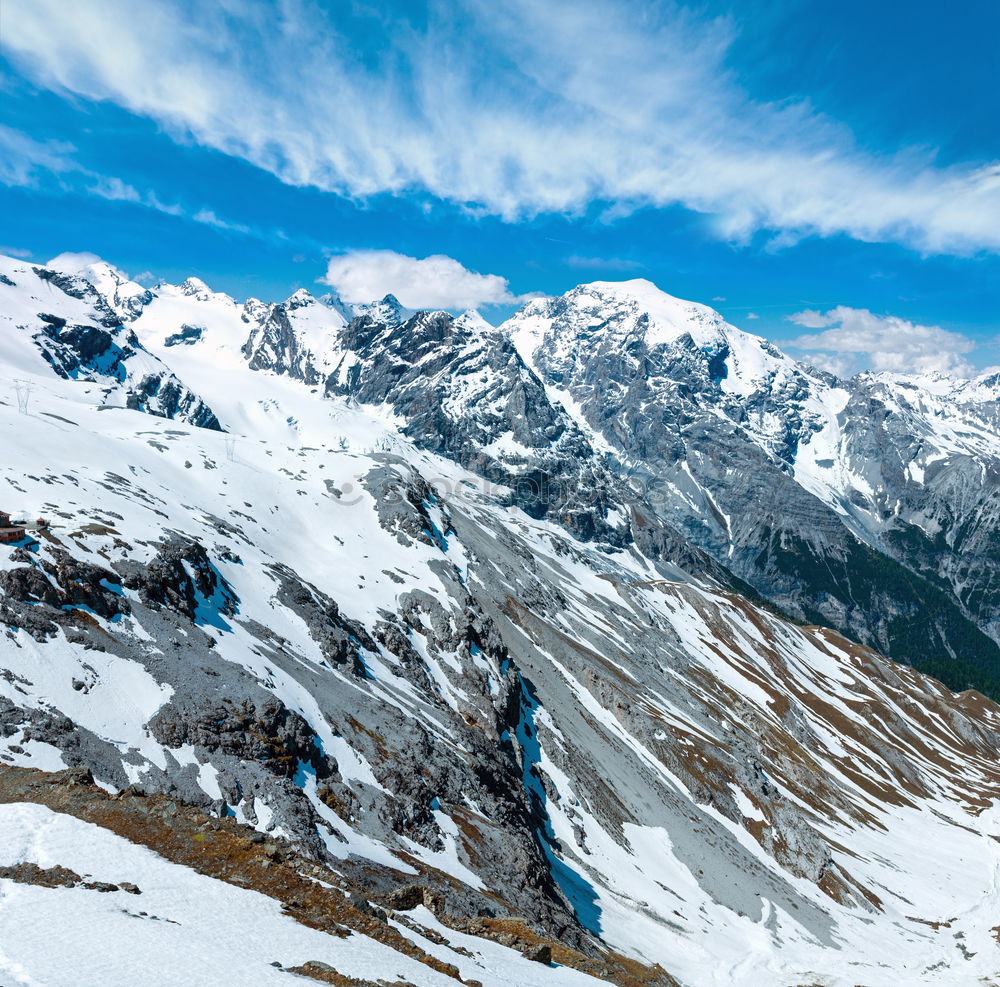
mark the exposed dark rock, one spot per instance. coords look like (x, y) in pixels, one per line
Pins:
(342, 641)
(270, 733)
(182, 578)
(541, 953)
(187, 336)
(166, 397)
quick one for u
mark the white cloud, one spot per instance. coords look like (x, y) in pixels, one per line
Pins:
(853, 338)
(209, 218)
(431, 282)
(513, 108)
(604, 263)
(110, 187)
(28, 163)
(24, 161)
(73, 262)
(809, 318)
(752, 315)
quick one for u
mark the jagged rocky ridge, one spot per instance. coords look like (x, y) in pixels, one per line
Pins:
(868, 504)
(419, 611)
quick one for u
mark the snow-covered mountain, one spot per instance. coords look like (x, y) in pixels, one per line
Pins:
(61, 320)
(869, 504)
(482, 641)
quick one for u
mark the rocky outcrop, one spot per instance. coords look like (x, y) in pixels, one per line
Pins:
(186, 336)
(58, 590)
(166, 397)
(268, 733)
(341, 641)
(296, 338)
(182, 578)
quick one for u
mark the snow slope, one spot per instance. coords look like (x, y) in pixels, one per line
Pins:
(186, 928)
(314, 624)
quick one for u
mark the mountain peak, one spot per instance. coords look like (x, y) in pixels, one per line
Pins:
(472, 320)
(666, 316)
(300, 298)
(388, 310)
(125, 297)
(195, 286)
(85, 264)
(626, 308)
(613, 317)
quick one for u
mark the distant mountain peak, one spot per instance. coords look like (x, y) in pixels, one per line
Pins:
(299, 298)
(388, 309)
(125, 297)
(628, 321)
(195, 286)
(472, 320)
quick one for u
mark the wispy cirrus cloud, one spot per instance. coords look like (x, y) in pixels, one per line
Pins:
(611, 264)
(29, 163)
(209, 218)
(23, 159)
(854, 338)
(514, 109)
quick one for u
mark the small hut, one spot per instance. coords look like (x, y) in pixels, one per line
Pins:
(9, 532)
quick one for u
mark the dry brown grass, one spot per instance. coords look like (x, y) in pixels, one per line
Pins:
(230, 852)
(218, 848)
(326, 974)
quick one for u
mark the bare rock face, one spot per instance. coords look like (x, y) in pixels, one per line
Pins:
(185, 337)
(268, 733)
(273, 345)
(341, 640)
(295, 338)
(182, 578)
(58, 590)
(460, 391)
(166, 397)
(28, 584)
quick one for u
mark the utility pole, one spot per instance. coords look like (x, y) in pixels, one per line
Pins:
(23, 388)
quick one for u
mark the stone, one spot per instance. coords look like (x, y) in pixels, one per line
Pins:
(541, 953)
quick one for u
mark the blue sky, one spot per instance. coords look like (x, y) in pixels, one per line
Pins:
(826, 173)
